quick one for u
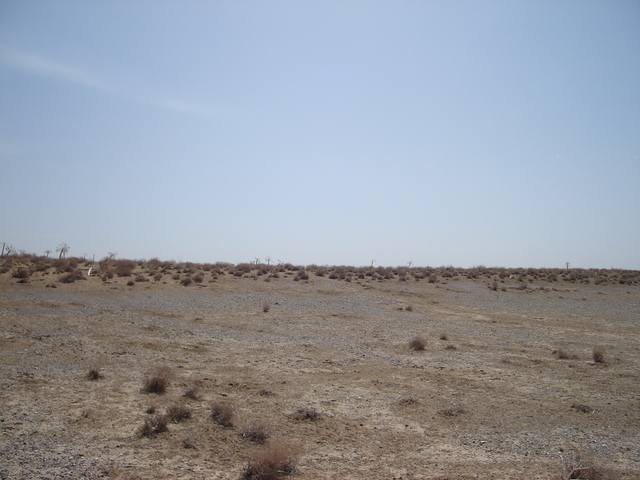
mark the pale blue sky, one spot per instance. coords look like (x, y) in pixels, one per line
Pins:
(502, 133)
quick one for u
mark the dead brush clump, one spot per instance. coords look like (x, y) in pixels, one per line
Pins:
(452, 412)
(94, 374)
(256, 432)
(417, 343)
(192, 393)
(22, 273)
(307, 413)
(223, 413)
(72, 277)
(564, 355)
(598, 354)
(407, 401)
(274, 461)
(158, 381)
(582, 408)
(153, 426)
(178, 413)
(578, 465)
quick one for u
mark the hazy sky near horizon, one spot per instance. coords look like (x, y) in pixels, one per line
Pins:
(501, 133)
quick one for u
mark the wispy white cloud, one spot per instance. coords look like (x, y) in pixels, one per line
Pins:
(44, 67)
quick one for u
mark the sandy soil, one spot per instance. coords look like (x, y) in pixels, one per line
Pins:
(487, 399)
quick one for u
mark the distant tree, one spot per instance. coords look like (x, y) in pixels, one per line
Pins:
(63, 248)
(112, 255)
(47, 252)
(7, 250)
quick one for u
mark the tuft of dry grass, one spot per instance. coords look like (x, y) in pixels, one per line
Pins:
(452, 412)
(582, 408)
(407, 401)
(223, 413)
(580, 466)
(256, 432)
(158, 381)
(276, 459)
(417, 343)
(598, 354)
(307, 413)
(192, 393)
(152, 426)
(94, 374)
(178, 413)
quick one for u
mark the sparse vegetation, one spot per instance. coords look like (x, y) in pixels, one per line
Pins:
(94, 374)
(223, 413)
(192, 393)
(407, 401)
(417, 343)
(306, 413)
(178, 413)
(354, 379)
(272, 462)
(577, 465)
(598, 354)
(582, 408)
(153, 426)
(158, 381)
(452, 412)
(256, 432)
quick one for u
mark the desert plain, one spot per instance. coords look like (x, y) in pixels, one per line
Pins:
(364, 373)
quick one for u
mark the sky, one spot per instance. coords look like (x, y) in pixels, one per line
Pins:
(347, 132)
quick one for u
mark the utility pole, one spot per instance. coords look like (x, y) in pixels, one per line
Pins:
(567, 264)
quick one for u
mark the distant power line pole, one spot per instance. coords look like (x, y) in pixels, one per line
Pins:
(568, 264)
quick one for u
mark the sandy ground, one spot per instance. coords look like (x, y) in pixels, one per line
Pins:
(486, 399)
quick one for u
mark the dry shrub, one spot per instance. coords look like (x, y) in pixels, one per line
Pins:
(153, 426)
(598, 354)
(273, 461)
(266, 307)
(417, 343)
(580, 466)
(72, 277)
(94, 374)
(582, 408)
(223, 413)
(158, 381)
(564, 355)
(178, 413)
(452, 412)
(307, 413)
(192, 393)
(22, 273)
(124, 268)
(407, 401)
(186, 281)
(256, 432)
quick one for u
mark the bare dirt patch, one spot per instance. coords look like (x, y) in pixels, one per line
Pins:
(327, 369)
